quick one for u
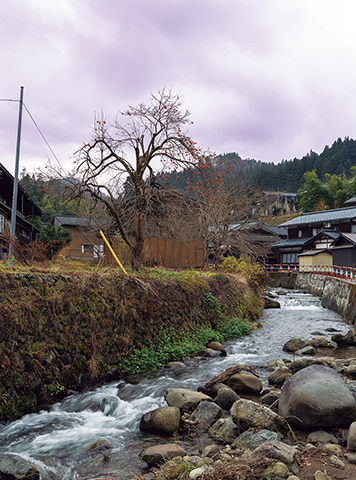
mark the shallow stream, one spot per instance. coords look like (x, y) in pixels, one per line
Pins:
(59, 440)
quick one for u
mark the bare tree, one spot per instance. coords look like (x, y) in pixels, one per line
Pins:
(227, 216)
(128, 152)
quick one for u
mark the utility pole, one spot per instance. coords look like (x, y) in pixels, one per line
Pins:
(16, 179)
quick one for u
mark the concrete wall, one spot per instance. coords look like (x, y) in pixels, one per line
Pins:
(336, 294)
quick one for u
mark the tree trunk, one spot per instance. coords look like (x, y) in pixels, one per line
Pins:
(137, 249)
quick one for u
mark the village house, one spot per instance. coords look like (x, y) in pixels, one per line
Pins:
(87, 244)
(331, 231)
(26, 211)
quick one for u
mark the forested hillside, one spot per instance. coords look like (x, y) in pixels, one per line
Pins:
(288, 175)
(285, 176)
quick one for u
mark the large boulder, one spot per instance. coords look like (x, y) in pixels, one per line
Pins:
(249, 414)
(161, 453)
(164, 420)
(245, 383)
(184, 399)
(316, 396)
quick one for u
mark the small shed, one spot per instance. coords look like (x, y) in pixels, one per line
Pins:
(344, 250)
(315, 257)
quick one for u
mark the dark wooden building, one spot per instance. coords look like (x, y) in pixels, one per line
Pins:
(26, 211)
(315, 230)
(343, 250)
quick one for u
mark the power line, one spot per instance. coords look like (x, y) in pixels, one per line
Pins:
(42, 135)
(36, 125)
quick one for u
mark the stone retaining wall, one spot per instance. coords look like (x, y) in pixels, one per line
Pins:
(336, 294)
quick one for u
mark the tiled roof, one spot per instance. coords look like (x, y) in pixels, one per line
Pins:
(346, 213)
(349, 236)
(295, 242)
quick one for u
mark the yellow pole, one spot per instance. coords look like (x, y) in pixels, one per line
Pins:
(112, 252)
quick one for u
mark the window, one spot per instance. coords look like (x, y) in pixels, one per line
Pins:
(87, 248)
(2, 223)
(300, 232)
(96, 250)
(290, 258)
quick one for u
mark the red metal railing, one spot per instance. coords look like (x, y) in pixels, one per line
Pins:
(345, 273)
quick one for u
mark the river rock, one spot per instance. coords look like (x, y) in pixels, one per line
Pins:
(206, 414)
(277, 362)
(164, 420)
(185, 399)
(307, 362)
(210, 352)
(337, 462)
(160, 453)
(198, 472)
(348, 339)
(213, 390)
(245, 383)
(350, 370)
(319, 475)
(293, 345)
(270, 398)
(270, 302)
(279, 451)
(321, 342)
(252, 439)
(13, 466)
(226, 398)
(218, 347)
(276, 470)
(176, 365)
(223, 430)
(308, 350)
(322, 437)
(351, 438)
(247, 414)
(316, 396)
(211, 451)
(279, 375)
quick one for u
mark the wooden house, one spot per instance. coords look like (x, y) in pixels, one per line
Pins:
(87, 244)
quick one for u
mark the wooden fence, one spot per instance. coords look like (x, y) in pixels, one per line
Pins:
(164, 251)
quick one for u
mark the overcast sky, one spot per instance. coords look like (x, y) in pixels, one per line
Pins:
(269, 79)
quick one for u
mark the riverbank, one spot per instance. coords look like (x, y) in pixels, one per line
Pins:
(61, 333)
